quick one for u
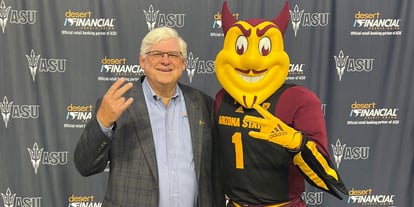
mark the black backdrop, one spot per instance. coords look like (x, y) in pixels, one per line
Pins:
(58, 56)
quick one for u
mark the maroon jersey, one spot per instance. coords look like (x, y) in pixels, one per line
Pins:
(256, 171)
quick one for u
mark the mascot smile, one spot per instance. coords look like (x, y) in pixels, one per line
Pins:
(252, 64)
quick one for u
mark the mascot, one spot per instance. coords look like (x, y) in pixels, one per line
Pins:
(270, 135)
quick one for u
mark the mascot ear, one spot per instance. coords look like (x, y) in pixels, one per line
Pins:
(227, 18)
(282, 20)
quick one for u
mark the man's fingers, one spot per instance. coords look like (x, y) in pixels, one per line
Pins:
(126, 104)
(114, 87)
(122, 90)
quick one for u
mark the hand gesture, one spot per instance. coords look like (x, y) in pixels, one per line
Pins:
(113, 103)
(274, 130)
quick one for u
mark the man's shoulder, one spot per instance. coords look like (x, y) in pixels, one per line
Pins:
(189, 90)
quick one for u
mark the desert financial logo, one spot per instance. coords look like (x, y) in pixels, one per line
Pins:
(39, 156)
(365, 197)
(217, 24)
(196, 65)
(112, 68)
(12, 200)
(83, 23)
(370, 24)
(368, 113)
(44, 65)
(83, 201)
(346, 63)
(78, 115)
(156, 19)
(13, 111)
(12, 16)
(342, 152)
(296, 72)
(301, 18)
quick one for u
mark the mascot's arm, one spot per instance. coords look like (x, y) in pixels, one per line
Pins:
(315, 166)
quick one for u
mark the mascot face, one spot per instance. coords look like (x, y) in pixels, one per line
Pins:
(252, 64)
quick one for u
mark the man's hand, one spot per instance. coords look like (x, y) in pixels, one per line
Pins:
(274, 130)
(113, 103)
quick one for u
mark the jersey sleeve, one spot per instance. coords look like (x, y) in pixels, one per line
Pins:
(303, 108)
(318, 169)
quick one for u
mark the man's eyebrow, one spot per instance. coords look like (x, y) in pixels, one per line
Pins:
(243, 30)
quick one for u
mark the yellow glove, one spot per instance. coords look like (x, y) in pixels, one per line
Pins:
(274, 130)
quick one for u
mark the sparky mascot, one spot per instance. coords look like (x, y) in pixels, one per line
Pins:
(271, 136)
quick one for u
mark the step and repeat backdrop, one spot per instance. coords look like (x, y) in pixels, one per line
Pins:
(58, 56)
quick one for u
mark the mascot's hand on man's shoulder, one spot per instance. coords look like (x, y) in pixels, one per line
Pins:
(274, 130)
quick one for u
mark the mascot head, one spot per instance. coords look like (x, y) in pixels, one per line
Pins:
(252, 64)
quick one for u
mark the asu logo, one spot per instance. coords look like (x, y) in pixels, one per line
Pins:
(8, 15)
(38, 64)
(9, 110)
(300, 18)
(343, 63)
(342, 152)
(11, 200)
(40, 156)
(195, 65)
(156, 19)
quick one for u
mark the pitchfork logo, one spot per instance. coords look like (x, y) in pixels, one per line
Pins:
(12, 111)
(35, 156)
(12, 16)
(196, 65)
(191, 66)
(151, 17)
(345, 63)
(295, 17)
(11, 200)
(301, 18)
(5, 109)
(33, 61)
(340, 64)
(338, 151)
(342, 152)
(39, 156)
(8, 198)
(44, 65)
(156, 19)
(4, 13)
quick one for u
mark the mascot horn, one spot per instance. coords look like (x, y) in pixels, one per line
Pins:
(252, 64)
(271, 135)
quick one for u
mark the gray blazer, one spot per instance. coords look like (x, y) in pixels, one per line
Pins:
(133, 175)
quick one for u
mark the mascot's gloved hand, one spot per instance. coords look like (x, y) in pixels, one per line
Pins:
(274, 130)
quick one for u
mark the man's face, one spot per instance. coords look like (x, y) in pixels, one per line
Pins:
(163, 63)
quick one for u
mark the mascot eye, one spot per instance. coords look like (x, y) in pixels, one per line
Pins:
(265, 46)
(241, 45)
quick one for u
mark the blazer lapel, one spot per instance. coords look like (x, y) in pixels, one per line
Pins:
(195, 121)
(139, 115)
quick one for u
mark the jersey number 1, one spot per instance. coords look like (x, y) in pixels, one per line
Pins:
(236, 139)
